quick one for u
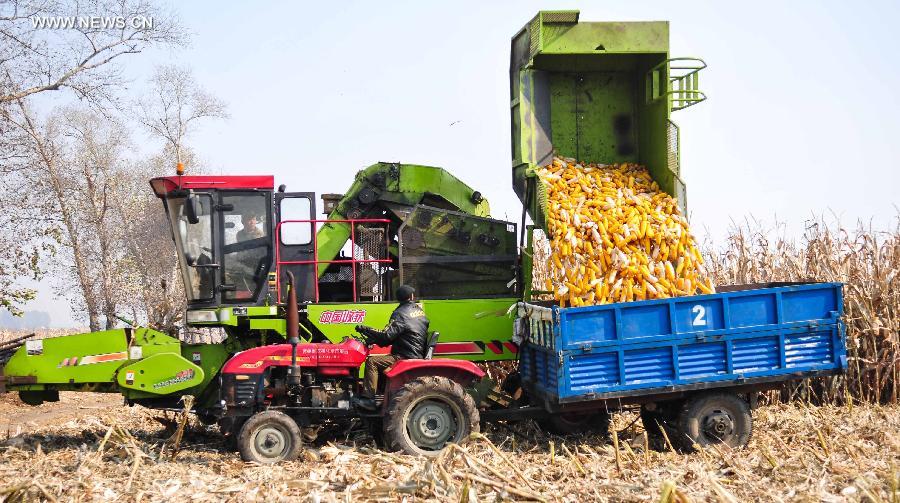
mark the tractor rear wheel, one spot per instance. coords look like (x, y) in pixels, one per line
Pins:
(269, 437)
(427, 414)
(715, 418)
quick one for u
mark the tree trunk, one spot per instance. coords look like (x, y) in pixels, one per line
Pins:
(57, 185)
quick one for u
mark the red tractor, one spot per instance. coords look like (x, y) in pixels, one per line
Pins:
(268, 393)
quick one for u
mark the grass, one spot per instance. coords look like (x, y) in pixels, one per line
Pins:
(866, 260)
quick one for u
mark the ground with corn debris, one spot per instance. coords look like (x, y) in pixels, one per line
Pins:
(86, 447)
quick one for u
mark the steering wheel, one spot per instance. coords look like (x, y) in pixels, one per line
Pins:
(246, 245)
(359, 336)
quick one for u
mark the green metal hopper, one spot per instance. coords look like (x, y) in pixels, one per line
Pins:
(597, 92)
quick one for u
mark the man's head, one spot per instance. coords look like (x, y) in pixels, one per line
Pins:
(252, 223)
(406, 293)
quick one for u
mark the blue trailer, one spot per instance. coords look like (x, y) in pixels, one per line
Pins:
(694, 364)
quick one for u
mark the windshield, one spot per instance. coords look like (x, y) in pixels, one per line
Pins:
(247, 253)
(194, 246)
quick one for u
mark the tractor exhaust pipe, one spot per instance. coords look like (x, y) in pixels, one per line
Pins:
(292, 318)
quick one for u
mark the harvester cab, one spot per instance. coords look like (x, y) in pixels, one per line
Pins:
(221, 227)
(237, 239)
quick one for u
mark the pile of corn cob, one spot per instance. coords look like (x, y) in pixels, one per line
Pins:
(616, 237)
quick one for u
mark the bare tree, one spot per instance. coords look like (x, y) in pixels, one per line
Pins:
(115, 255)
(48, 45)
(23, 233)
(45, 172)
(171, 111)
(20, 253)
(96, 160)
(175, 105)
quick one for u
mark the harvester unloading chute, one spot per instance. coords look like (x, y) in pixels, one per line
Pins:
(391, 190)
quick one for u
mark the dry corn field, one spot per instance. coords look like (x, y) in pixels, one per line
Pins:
(101, 452)
(40, 333)
(616, 237)
(867, 261)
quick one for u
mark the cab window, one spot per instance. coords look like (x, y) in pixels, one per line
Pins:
(247, 252)
(194, 243)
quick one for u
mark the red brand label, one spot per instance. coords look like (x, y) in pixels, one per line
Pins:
(184, 375)
(343, 316)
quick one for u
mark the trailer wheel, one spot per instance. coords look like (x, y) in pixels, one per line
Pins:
(427, 414)
(269, 437)
(714, 418)
(664, 419)
(572, 423)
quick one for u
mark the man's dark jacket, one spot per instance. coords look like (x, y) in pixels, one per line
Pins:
(406, 332)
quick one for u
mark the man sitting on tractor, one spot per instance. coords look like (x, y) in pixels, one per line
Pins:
(406, 333)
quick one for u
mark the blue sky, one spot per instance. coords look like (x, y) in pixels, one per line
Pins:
(802, 116)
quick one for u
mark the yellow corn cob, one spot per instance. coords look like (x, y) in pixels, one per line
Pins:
(616, 237)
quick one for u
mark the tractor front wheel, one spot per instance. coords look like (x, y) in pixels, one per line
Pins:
(269, 437)
(427, 414)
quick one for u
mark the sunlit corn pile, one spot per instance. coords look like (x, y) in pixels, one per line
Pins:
(616, 237)
(85, 450)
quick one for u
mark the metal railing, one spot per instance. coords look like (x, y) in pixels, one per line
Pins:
(353, 261)
(682, 88)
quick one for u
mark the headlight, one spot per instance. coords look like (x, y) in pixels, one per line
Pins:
(202, 317)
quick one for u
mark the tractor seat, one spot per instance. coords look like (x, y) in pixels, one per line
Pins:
(432, 342)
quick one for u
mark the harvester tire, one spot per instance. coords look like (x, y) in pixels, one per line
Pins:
(230, 428)
(269, 437)
(427, 414)
(207, 419)
(714, 418)
(37, 397)
(573, 423)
